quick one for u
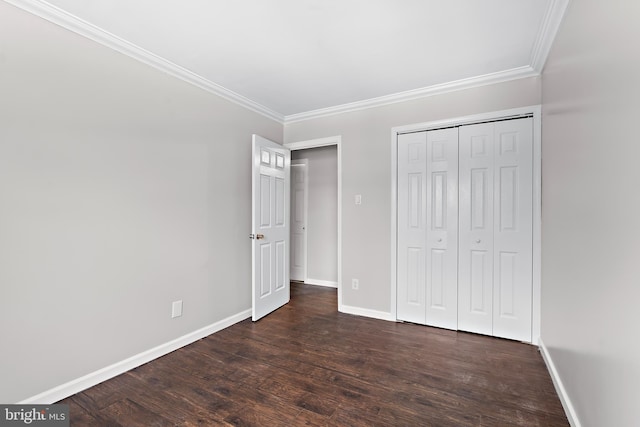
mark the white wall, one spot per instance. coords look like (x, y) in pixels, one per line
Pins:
(366, 170)
(322, 221)
(591, 210)
(122, 189)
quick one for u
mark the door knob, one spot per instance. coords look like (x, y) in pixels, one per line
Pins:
(478, 241)
(440, 239)
(259, 236)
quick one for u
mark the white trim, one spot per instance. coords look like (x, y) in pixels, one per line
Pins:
(323, 142)
(536, 111)
(541, 48)
(394, 224)
(75, 386)
(464, 120)
(317, 282)
(314, 143)
(547, 34)
(569, 410)
(537, 226)
(365, 312)
(468, 83)
(79, 26)
(540, 51)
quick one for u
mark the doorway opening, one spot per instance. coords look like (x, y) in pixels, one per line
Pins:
(316, 212)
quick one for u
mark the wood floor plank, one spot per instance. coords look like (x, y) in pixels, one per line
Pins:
(128, 413)
(307, 364)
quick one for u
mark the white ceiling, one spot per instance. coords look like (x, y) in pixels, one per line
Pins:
(289, 57)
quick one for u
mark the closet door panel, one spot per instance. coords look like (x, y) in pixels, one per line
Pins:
(442, 229)
(412, 227)
(513, 222)
(465, 222)
(476, 226)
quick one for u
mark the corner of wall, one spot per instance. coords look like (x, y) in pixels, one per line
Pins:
(558, 384)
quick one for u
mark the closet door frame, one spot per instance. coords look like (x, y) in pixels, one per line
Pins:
(535, 111)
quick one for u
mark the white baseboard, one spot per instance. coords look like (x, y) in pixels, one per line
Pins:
(358, 311)
(79, 384)
(318, 282)
(557, 382)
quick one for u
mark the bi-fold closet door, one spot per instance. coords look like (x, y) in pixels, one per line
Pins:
(465, 247)
(428, 227)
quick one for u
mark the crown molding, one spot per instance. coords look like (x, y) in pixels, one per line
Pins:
(540, 51)
(79, 26)
(548, 31)
(486, 79)
(547, 34)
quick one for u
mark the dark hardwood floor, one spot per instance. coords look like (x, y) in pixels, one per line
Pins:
(307, 364)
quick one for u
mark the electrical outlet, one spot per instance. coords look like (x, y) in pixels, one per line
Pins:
(176, 309)
(355, 284)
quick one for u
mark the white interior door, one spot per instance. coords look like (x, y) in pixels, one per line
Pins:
(475, 274)
(299, 204)
(270, 226)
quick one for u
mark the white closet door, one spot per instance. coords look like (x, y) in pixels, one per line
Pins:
(412, 226)
(513, 229)
(496, 236)
(442, 229)
(475, 273)
(427, 228)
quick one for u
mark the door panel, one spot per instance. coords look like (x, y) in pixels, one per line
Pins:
(507, 262)
(265, 201)
(475, 274)
(270, 226)
(438, 279)
(415, 277)
(442, 229)
(427, 227)
(265, 270)
(280, 266)
(280, 202)
(513, 224)
(480, 185)
(480, 282)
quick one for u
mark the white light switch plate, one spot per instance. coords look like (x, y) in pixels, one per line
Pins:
(176, 309)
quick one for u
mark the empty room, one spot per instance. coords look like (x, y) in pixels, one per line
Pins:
(367, 213)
